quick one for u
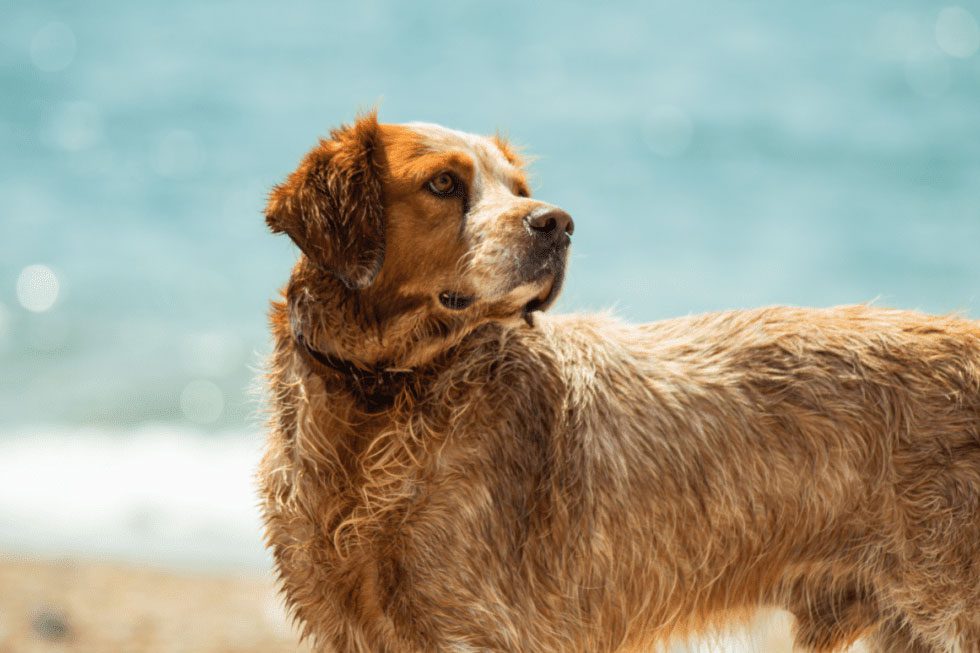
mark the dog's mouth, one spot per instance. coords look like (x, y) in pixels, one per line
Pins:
(543, 300)
(455, 301)
(550, 280)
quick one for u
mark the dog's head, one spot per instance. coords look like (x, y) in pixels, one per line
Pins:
(412, 236)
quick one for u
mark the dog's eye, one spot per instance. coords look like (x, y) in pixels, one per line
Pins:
(443, 184)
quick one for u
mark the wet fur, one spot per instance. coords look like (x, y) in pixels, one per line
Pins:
(588, 485)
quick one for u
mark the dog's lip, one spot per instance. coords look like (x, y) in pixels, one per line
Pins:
(455, 301)
(543, 300)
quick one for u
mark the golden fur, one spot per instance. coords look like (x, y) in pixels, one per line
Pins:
(572, 483)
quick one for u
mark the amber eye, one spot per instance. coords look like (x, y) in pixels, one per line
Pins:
(443, 184)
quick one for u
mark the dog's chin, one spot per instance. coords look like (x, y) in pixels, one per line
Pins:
(543, 300)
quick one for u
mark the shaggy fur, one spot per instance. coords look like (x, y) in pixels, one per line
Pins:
(572, 483)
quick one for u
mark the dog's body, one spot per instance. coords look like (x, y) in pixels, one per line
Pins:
(577, 484)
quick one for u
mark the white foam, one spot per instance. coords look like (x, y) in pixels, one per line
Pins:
(157, 495)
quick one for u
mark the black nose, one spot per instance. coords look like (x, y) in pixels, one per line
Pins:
(550, 223)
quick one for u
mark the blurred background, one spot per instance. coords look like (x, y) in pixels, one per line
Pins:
(714, 155)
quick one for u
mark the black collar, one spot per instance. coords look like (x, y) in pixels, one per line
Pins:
(374, 388)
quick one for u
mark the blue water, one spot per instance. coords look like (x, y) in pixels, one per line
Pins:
(714, 155)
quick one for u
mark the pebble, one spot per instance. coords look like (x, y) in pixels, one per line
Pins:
(51, 624)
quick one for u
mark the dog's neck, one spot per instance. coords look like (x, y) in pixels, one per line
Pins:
(371, 376)
(374, 388)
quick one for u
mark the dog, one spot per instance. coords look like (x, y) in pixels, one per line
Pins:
(448, 468)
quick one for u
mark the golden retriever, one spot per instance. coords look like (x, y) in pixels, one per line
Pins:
(449, 469)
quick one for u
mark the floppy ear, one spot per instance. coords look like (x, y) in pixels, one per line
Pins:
(332, 205)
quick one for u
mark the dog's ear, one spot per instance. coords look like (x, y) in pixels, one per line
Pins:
(332, 206)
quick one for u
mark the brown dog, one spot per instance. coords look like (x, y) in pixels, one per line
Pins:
(450, 470)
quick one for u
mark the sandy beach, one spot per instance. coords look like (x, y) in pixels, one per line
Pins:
(83, 606)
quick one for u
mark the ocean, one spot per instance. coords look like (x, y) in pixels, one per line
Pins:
(714, 155)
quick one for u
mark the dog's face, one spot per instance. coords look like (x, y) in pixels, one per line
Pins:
(413, 235)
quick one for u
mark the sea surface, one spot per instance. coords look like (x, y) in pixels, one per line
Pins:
(714, 155)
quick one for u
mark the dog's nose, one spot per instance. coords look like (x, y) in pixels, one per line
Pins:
(550, 223)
